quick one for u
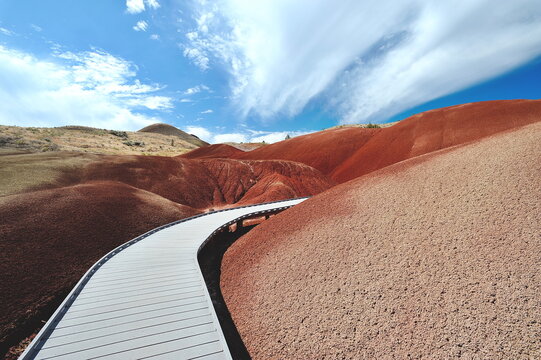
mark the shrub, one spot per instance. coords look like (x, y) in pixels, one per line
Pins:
(372, 126)
(133, 143)
(120, 134)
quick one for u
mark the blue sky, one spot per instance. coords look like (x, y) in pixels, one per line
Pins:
(246, 70)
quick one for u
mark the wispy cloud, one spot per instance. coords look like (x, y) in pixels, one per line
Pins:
(198, 57)
(153, 4)
(186, 100)
(209, 111)
(91, 88)
(138, 6)
(6, 31)
(196, 89)
(365, 60)
(154, 37)
(141, 25)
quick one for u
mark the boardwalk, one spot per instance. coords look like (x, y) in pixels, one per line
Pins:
(145, 299)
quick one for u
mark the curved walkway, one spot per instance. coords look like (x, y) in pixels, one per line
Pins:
(145, 299)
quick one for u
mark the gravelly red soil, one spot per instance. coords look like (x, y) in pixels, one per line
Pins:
(435, 257)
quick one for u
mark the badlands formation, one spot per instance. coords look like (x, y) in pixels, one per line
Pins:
(55, 228)
(422, 239)
(433, 252)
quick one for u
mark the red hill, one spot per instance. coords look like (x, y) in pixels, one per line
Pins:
(433, 257)
(346, 153)
(50, 237)
(324, 150)
(437, 129)
(213, 151)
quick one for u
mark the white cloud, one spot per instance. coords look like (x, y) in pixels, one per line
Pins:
(231, 137)
(196, 89)
(154, 37)
(152, 102)
(192, 35)
(138, 6)
(198, 57)
(246, 135)
(209, 111)
(186, 100)
(367, 60)
(90, 88)
(200, 132)
(6, 32)
(135, 6)
(153, 4)
(141, 25)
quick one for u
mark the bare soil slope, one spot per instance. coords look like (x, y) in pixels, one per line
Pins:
(434, 257)
(345, 153)
(213, 151)
(207, 183)
(437, 129)
(324, 150)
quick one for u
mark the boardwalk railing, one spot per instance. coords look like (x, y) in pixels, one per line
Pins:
(146, 298)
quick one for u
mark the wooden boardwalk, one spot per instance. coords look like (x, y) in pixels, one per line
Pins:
(147, 299)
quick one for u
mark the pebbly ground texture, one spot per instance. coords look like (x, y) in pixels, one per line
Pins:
(435, 257)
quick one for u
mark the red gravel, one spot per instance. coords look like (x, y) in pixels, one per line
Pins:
(435, 257)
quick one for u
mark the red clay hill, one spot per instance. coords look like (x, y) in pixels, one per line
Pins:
(435, 257)
(62, 227)
(349, 152)
(50, 236)
(213, 152)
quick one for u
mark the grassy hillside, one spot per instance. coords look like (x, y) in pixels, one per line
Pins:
(91, 140)
(166, 129)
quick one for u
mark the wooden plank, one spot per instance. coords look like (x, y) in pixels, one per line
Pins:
(146, 299)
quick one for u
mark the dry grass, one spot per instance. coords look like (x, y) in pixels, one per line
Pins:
(90, 140)
(21, 172)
